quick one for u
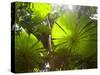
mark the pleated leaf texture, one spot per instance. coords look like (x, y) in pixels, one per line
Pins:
(28, 50)
(75, 34)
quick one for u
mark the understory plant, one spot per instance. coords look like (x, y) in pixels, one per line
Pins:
(50, 34)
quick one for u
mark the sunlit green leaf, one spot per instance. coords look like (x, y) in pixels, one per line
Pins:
(40, 11)
(75, 34)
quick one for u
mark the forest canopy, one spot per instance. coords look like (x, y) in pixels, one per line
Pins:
(54, 37)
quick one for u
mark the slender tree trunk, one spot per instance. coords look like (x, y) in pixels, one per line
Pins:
(49, 38)
(49, 48)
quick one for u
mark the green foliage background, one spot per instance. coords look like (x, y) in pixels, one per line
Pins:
(49, 33)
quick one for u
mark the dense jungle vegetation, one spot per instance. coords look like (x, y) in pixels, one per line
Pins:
(54, 37)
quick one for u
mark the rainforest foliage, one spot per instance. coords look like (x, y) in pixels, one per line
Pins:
(51, 37)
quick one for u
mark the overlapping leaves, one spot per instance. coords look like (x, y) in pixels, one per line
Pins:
(29, 15)
(73, 37)
(28, 50)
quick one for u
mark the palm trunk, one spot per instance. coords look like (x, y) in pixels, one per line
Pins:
(49, 38)
(49, 47)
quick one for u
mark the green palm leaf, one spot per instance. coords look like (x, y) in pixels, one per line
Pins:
(30, 15)
(77, 35)
(28, 51)
(40, 11)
